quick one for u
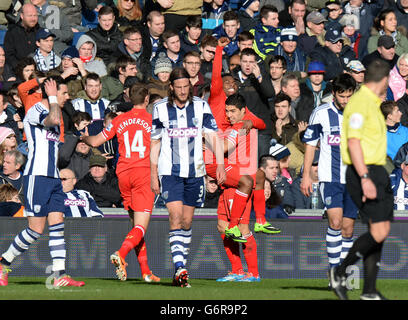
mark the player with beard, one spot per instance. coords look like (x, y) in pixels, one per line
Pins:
(180, 122)
(325, 126)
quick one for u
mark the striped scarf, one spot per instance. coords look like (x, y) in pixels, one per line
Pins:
(41, 61)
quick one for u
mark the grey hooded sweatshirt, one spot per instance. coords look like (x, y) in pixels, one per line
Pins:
(95, 64)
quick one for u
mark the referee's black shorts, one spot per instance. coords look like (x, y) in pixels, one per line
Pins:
(376, 210)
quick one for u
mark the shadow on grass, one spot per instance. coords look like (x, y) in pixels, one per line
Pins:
(136, 281)
(29, 282)
(306, 288)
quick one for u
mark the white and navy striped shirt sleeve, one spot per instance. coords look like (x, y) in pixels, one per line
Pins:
(43, 143)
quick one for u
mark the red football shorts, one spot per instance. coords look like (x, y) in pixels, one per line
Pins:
(233, 171)
(225, 204)
(134, 186)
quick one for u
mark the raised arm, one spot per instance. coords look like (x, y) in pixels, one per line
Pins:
(54, 114)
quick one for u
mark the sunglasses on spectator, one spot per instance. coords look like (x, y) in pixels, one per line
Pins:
(65, 179)
(212, 181)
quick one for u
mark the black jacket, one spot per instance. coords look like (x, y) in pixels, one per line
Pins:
(257, 96)
(106, 193)
(186, 45)
(376, 55)
(403, 106)
(19, 43)
(142, 62)
(307, 101)
(246, 22)
(146, 42)
(71, 159)
(106, 42)
(288, 130)
(334, 64)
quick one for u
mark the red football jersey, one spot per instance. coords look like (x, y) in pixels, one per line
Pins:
(245, 153)
(133, 130)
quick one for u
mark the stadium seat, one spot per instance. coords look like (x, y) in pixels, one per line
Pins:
(2, 35)
(77, 35)
(89, 18)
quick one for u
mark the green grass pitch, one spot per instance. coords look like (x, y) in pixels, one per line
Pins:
(24, 288)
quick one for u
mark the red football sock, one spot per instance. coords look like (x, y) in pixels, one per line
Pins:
(132, 240)
(259, 206)
(232, 249)
(141, 252)
(251, 256)
(238, 206)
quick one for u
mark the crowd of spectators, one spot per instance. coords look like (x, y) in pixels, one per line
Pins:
(281, 54)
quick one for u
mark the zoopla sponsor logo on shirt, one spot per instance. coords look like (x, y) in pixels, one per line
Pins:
(183, 132)
(76, 202)
(398, 200)
(333, 139)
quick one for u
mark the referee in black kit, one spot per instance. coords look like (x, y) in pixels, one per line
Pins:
(363, 149)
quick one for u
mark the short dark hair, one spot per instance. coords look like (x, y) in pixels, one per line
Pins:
(58, 80)
(248, 52)
(79, 116)
(263, 160)
(137, 93)
(297, 1)
(208, 40)
(92, 76)
(168, 34)
(123, 61)
(129, 31)
(105, 10)
(266, 9)
(230, 15)
(236, 100)
(376, 71)
(191, 54)
(282, 97)
(277, 58)
(343, 82)
(194, 21)
(245, 36)
(387, 107)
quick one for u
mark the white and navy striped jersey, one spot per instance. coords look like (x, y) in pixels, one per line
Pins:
(181, 132)
(325, 125)
(400, 190)
(80, 203)
(96, 109)
(42, 142)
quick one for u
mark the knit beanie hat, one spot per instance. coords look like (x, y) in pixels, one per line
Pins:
(70, 52)
(246, 3)
(163, 64)
(289, 34)
(349, 19)
(278, 151)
